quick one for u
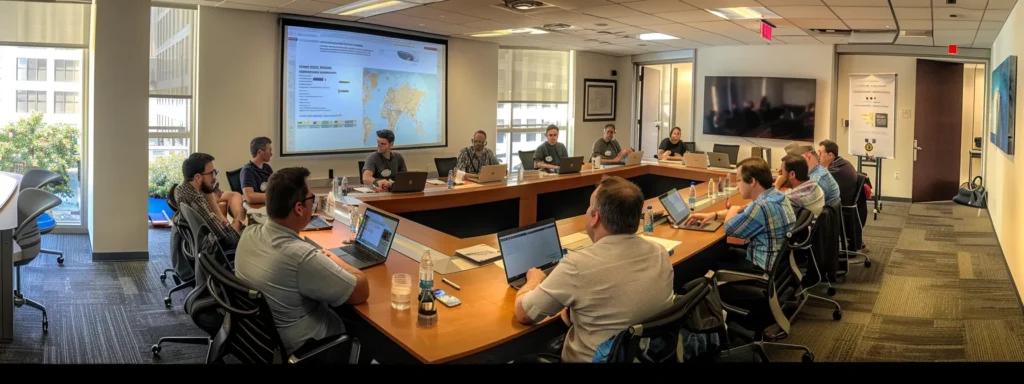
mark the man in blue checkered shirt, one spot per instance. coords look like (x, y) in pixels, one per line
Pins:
(763, 222)
(817, 173)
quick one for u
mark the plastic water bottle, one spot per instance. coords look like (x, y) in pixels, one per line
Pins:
(649, 221)
(521, 175)
(353, 220)
(344, 186)
(451, 179)
(427, 313)
(721, 187)
(726, 187)
(693, 195)
(712, 188)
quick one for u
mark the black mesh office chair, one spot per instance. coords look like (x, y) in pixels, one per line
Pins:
(360, 173)
(853, 228)
(690, 146)
(40, 178)
(234, 180)
(183, 248)
(31, 203)
(732, 150)
(444, 165)
(526, 160)
(801, 239)
(173, 204)
(248, 332)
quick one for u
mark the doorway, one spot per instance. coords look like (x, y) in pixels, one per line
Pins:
(665, 100)
(946, 104)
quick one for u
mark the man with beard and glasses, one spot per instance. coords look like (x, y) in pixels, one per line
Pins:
(198, 192)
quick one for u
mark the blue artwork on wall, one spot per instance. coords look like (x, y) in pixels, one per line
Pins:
(1004, 98)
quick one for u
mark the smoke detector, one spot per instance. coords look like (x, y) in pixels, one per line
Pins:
(523, 4)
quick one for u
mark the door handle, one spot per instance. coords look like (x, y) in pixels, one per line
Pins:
(916, 148)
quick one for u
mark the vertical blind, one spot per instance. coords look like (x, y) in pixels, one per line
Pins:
(29, 23)
(533, 75)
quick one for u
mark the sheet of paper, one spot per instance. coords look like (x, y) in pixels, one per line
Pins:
(668, 244)
(436, 182)
(364, 189)
(572, 238)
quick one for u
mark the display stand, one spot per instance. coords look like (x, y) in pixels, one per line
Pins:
(874, 162)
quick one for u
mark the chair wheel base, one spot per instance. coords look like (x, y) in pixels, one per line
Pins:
(837, 315)
(831, 291)
(163, 278)
(167, 301)
(60, 261)
(867, 263)
(807, 357)
(46, 327)
(177, 281)
(156, 350)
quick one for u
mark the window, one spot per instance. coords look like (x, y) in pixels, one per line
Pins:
(31, 69)
(533, 87)
(65, 102)
(66, 71)
(170, 81)
(31, 101)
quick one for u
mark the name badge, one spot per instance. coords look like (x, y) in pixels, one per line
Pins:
(385, 173)
(263, 187)
(549, 159)
(607, 153)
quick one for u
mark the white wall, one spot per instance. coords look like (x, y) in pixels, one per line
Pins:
(119, 74)
(802, 61)
(239, 94)
(684, 99)
(1002, 173)
(590, 65)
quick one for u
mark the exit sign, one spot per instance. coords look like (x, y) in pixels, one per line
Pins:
(766, 30)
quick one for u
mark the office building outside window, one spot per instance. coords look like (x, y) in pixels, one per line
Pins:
(533, 93)
(172, 48)
(66, 70)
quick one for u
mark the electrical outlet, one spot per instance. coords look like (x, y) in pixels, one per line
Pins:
(897, 175)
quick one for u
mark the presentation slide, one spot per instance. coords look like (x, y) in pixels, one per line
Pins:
(341, 86)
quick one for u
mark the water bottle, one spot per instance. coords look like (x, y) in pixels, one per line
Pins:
(726, 187)
(451, 179)
(427, 313)
(353, 219)
(521, 175)
(649, 221)
(721, 186)
(344, 186)
(693, 195)
(712, 189)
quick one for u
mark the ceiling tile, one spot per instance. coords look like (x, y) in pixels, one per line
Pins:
(608, 11)
(689, 16)
(677, 30)
(996, 15)
(863, 13)
(520, 21)
(804, 12)
(246, 7)
(568, 17)
(916, 24)
(683, 43)
(337, 17)
(263, 3)
(912, 3)
(712, 38)
(439, 15)
(819, 23)
(487, 12)
(455, 5)
(719, 27)
(573, 4)
(960, 37)
(640, 21)
(989, 36)
(926, 41)
(872, 24)
(947, 13)
(996, 25)
(798, 39)
(706, 4)
(969, 4)
(946, 24)
(756, 24)
(454, 29)
(904, 13)
(857, 3)
(309, 6)
(486, 25)
(659, 6)
(774, 3)
(833, 40)
(1001, 4)
(788, 31)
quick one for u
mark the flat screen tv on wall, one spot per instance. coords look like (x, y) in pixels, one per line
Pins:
(762, 107)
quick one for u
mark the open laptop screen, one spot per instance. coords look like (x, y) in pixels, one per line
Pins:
(675, 206)
(378, 232)
(535, 246)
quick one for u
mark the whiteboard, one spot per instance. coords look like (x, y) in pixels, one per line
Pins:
(873, 115)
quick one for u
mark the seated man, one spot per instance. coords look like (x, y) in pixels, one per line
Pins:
(477, 156)
(817, 174)
(607, 148)
(672, 147)
(256, 172)
(381, 166)
(301, 282)
(197, 191)
(842, 171)
(549, 154)
(600, 285)
(763, 222)
(803, 194)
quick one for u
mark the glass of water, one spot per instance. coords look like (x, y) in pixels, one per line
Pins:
(401, 291)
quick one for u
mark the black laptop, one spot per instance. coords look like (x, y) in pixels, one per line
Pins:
(678, 212)
(373, 242)
(409, 182)
(533, 246)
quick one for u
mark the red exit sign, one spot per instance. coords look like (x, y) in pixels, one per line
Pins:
(766, 30)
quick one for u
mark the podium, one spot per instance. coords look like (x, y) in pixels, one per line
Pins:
(8, 248)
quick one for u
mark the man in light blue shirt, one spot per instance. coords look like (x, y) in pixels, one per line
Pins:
(818, 174)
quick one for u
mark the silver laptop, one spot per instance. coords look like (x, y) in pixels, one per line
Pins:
(533, 246)
(678, 212)
(373, 241)
(719, 162)
(634, 158)
(489, 174)
(695, 160)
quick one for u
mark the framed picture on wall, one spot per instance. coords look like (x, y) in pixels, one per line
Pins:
(1004, 103)
(599, 100)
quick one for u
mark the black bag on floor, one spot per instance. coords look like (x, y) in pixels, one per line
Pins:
(972, 194)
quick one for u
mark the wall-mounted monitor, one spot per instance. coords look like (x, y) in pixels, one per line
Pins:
(340, 84)
(761, 107)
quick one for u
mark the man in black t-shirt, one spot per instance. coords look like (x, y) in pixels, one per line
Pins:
(256, 172)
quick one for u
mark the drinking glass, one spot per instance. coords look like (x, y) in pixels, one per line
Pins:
(401, 291)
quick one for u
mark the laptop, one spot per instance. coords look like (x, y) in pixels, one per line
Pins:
(634, 158)
(570, 165)
(318, 223)
(373, 242)
(533, 246)
(695, 160)
(678, 212)
(409, 182)
(720, 162)
(490, 174)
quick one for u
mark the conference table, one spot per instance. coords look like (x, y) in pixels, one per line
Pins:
(480, 328)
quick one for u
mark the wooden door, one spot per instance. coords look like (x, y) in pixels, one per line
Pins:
(937, 128)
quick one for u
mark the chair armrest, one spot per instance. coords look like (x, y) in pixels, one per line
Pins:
(735, 309)
(314, 347)
(724, 276)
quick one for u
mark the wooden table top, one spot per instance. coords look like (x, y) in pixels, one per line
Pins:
(485, 317)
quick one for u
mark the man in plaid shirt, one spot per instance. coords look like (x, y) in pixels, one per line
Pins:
(763, 222)
(198, 191)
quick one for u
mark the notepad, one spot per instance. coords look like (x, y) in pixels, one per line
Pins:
(363, 189)
(668, 244)
(480, 253)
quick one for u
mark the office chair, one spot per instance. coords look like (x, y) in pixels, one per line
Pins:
(183, 247)
(444, 165)
(690, 146)
(855, 232)
(173, 204)
(762, 314)
(800, 238)
(732, 150)
(360, 173)
(526, 160)
(234, 180)
(31, 204)
(249, 332)
(39, 178)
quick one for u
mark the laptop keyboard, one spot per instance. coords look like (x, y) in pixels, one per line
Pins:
(360, 254)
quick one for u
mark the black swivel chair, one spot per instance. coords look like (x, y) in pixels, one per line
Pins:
(193, 221)
(249, 332)
(31, 204)
(360, 173)
(234, 180)
(39, 178)
(853, 228)
(732, 150)
(173, 204)
(690, 146)
(444, 165)
(801, 239)
(526, 160)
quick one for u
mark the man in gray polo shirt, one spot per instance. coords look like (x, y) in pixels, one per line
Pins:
(300, 281)
(607, 148)
(549, 155)
(618, 281)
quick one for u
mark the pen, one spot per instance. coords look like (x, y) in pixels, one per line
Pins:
(449, 282)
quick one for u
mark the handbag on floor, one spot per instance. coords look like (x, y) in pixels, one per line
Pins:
(972, 194)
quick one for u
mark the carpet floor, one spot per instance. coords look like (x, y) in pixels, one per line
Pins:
(938, 289)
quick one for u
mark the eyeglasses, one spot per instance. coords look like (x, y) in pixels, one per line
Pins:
(214, 172)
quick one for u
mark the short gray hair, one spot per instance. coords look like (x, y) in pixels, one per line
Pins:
(620, 203)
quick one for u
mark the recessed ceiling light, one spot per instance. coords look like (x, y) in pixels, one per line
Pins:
(366, 8)
(655, 36)
(506, 32)
(743, 13)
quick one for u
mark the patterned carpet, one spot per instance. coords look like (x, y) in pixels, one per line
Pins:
(937, 290)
